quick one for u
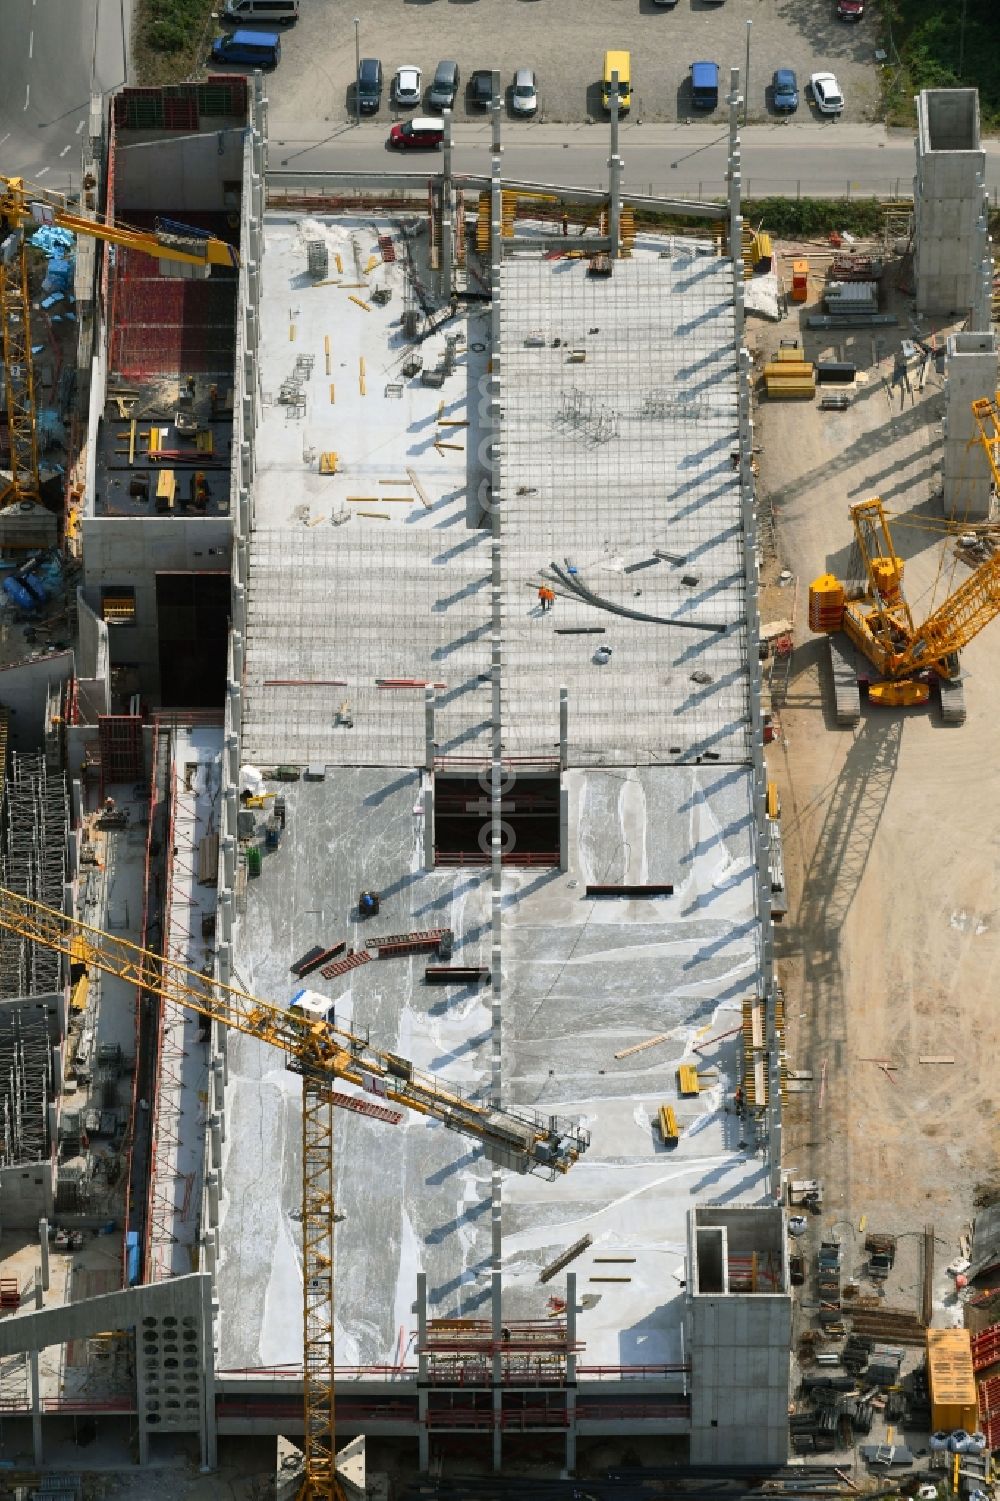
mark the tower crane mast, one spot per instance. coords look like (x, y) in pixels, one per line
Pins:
(321, 1051)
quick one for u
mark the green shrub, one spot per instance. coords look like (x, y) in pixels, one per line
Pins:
(929, 47)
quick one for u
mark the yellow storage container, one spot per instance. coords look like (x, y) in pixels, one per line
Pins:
(773, 801)
(952, 1380)
(669, 1129)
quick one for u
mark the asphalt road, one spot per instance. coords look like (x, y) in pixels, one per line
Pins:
(830, 159)
(55, 54)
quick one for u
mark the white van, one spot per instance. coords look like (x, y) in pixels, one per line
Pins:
(271, 12)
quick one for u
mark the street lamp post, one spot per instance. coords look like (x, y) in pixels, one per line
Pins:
(357, 69)
(746, 77)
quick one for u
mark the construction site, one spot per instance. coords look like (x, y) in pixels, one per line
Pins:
(474, 956)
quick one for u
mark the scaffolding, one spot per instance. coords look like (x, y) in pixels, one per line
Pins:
(25, 1086)
(33, 849)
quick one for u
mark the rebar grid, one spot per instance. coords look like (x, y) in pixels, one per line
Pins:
(619, 441)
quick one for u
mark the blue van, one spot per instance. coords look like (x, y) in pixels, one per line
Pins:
(705, 85)
(255, 49)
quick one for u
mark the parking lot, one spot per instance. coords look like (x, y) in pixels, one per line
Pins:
(564, 42)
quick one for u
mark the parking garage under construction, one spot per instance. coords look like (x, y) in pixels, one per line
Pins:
(429, 535)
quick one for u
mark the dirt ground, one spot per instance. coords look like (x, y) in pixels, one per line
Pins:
(891, 835)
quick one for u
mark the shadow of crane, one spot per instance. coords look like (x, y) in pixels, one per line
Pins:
(854, 804)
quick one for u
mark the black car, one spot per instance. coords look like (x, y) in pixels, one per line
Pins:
(481, 88)
(369, 85)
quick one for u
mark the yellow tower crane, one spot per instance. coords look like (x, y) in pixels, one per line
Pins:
(22, 205)
(321, 1051)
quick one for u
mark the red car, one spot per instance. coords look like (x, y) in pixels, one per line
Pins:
(850, 10)
(422, 131)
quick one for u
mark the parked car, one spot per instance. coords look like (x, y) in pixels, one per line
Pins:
(251, 49)
(481, 88)
(420, 132)
(826, 93)
(850, 10)
(785, 91)
(369, 85)
(445, 86)
(705, 85)
(524, 95)
(407, 86)
(265, 12)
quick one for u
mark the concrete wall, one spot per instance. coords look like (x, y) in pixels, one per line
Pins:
(23, 691)
(170, 175)
(26, 1195)
(950, 235)
(133, 550)
(739, 1342)
(92, 662)
(970, 373)
(739, 1347)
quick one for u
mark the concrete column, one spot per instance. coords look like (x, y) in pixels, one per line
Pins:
(428, 801)
(233, 757)
(497, 1333)
(43, 1244)
(57, 1068)
(423, 1437)
(218, 1085)
(36, 1410)
(229, 860)
(225, 910)
(237, 639)
(447, 212)
(429, 728)
(970, 373)
(212, 1181)
(615, 165)
(76, 798)
(563, 728)
(570, 1373)
(224, 959)
(221, 1049)
(231, 808)
(209, 1442)
(239, 608)
(564, 829)
(215, 1137)
(208, 1247)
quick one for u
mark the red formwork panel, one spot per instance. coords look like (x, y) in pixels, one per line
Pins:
(166, 326)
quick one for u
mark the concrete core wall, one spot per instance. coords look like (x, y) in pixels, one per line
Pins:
(970, 373)
(739, 1341)
(950, 232)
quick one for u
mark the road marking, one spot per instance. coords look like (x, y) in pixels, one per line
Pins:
(31, 44)
(4, 138)
(41, 172)
(66, 148)
(27, 95)
(79, 128)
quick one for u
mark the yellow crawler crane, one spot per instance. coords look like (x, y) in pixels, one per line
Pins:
(23, 205)
(908, 659)
(321, 1051)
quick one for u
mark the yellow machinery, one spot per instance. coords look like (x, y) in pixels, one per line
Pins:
(321, 1052)
(907, 658)
(23, 205)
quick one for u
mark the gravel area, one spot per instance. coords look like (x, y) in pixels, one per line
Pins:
(565, 43)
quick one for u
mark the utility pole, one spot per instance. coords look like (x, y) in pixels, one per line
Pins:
(746, 76)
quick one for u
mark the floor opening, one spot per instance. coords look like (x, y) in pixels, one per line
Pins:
(192, 612)
(463, 819)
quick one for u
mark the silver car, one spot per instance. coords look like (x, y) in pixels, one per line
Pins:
(524, 97)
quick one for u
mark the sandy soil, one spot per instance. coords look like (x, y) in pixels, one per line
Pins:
(891, 836)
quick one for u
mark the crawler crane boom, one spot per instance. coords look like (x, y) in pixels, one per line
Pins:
(321, 1051)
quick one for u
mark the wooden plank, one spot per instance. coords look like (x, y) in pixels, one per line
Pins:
(420, 490)
(640, 1047)
(935, 1058)
(570, 1254)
